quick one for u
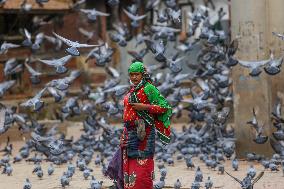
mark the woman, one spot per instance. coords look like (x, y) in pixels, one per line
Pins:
(145, 111)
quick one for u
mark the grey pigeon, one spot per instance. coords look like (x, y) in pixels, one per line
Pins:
(251, 171)
(50, 169)
(34, 77)
(177, 184)
(134, 18)
(64, 180)
(6, 46)
(113, 2)
(73, 45)
(254, 66)
(160, 184)
(12, 66)
(27, 42)
(36, 103)
(55, 41)
(235, 164)
(38, 41)
(27, 184)
(5, 86)
(273, 67)
(58, 63)
(208, 183)
(198, 175)
(93, 13)
(247, 182)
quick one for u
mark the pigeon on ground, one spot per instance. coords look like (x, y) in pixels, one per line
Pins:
(27, 184)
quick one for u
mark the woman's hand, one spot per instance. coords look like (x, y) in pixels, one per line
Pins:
(139, 106)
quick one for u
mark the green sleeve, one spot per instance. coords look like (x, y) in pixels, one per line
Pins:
(154, 96)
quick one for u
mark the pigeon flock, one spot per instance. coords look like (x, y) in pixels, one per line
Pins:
(207, 103)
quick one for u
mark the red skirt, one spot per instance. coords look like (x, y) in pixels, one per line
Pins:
(138, 173)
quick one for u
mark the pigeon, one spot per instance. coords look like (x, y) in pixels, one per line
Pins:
(273, 66)
(251, 171)
(208, 183)
(177, 184)
(160, 184)
(278, 35)
(151, 4)
(38, 41)
(132, 9)
(5, 86)
(198, 175)
(175, 15)
(189, 163)
(27, 184)
(260, 138)
(64, 180)
(93, 13)
(247, 182)
(174, 64)
(161, 16)
(235, 164)
(34, 77)
(50, 169)
(12, 67)
(88, 34)
(64, 83)
(39, 173)
(36, 103)
(221, 169)
(163, 32)
(95, 184)
(25, 6)
(138, 56)
(6, 46)
(157, 48)
(86, 173)
(113, 2)
(55, 41)
(134, 18)
(273, 167)
(7, 169)
(73, 45)
(28, 41)
(195, 185)
(58, 63)
(254, 66)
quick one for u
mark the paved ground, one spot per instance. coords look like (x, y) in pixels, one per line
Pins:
(23, 170)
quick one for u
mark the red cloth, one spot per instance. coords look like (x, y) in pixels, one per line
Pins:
(138, 173)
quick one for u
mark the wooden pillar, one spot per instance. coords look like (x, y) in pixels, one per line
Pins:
(249, 22)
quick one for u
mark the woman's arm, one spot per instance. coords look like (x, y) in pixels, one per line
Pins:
(158, 103)
(155, 109)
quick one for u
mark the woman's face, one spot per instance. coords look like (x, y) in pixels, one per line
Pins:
(135, 77)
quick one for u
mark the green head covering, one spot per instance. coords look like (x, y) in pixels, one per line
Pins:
(136, 67)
